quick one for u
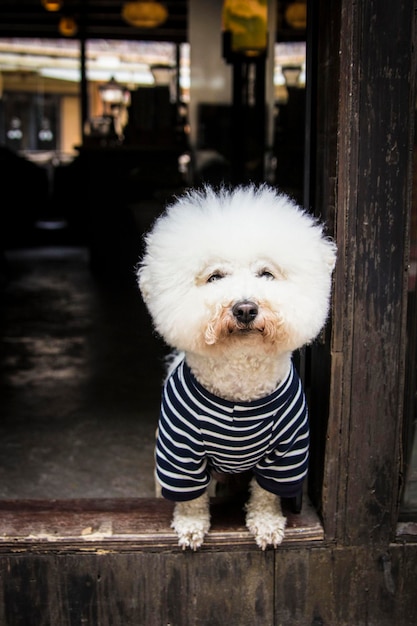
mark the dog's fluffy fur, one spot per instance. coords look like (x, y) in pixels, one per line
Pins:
(210, 250)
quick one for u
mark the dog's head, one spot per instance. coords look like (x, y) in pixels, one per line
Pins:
(241, 267)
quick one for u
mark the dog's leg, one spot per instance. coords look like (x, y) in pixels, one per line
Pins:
(158, 490)
(191, 521)
(264, 518)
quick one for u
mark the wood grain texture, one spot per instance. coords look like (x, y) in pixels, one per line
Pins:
(128, 524)
(373, 44)
(292, 586)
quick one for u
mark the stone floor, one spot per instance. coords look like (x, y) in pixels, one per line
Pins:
(80, 376)
(80, 380)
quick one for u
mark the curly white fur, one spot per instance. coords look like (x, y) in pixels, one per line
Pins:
(264, 518)
(213, 249)
(191, 521)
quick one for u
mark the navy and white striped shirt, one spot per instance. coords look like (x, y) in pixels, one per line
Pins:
(199, 432)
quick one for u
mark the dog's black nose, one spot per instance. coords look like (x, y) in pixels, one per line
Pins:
(245, 311)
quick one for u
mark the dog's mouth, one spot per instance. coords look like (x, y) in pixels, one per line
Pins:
(245, 320)
(246, 330)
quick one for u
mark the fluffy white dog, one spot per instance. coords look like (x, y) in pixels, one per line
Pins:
(235, 281)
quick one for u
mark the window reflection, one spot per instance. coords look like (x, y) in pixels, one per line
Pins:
(39, 80)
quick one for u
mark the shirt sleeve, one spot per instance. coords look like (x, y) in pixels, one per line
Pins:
(283, 470)
(181, 464)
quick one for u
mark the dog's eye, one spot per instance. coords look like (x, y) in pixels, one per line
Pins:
(214, 277)
(266, 274)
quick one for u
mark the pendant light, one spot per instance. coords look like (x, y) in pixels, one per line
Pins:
(144, 14)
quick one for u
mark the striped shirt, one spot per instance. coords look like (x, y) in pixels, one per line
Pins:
(199, 432)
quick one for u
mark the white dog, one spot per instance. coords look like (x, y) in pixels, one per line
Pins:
(235, 281)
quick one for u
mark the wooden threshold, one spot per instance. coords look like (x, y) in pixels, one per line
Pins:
(128, 524)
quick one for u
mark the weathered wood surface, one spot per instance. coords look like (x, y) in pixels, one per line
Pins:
(373, 45)
(125, 524)
(111, 562)
(345, 587)
(108, 566)
(289, 586)
(138, 589)
(378, 234)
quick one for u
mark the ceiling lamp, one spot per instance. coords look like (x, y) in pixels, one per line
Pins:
(162, 73)
(113, 92)
(246, 24)
(292, 74)
(52, 5)
(296, 15)
(146, 14)
(67, 26)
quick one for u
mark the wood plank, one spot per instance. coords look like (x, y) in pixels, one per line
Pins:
(326, 390)
(294, 585)
(137, 589)
(380, 210)
(375, 108)
(336, 61)
(128, 523)
(346, 586)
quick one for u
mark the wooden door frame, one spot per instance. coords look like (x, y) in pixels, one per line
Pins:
(123, 565)
(362, 183)
(366, 75)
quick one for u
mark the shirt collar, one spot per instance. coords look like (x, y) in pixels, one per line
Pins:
(280, 395)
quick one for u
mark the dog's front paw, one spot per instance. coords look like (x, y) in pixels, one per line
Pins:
(267, 529)
(190, 533)
(264, 518)
(191, 522)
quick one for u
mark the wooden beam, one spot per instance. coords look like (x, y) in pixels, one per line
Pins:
(375, 120)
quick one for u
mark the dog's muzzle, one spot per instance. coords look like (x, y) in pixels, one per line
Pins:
(245, 312)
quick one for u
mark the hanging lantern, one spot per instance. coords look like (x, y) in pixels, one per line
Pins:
(52, 5)
(146, 14)
(162, 73)
(296, 15)
(113, 92)
(67, 26)
(247, 24)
